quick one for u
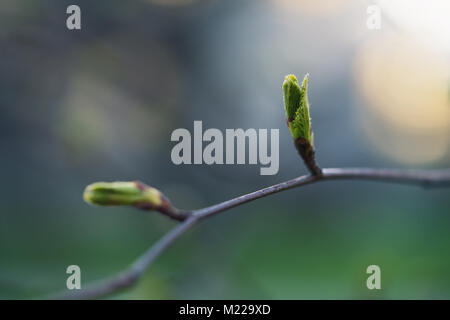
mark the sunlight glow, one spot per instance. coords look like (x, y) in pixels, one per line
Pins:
(406, 89)
(428, 21)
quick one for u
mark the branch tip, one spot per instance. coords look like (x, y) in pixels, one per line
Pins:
(296, 106)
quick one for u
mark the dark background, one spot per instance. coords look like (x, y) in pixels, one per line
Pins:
(100, 104)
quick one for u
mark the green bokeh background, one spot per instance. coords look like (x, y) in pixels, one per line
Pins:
(100, 104)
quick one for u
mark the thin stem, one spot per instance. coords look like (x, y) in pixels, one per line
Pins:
(130, 276)
(306, 151)
(127, 278)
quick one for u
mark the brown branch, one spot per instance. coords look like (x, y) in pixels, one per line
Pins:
(127, 278)
(306, 150)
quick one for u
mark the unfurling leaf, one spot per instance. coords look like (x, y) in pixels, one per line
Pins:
(296, 105)
(292, 92)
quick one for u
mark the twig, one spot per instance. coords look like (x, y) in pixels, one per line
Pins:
(127, 278)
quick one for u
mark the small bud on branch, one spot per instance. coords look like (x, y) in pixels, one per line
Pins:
(296, 106)
(133, 193)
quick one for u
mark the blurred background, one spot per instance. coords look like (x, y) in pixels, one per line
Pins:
(100, 104)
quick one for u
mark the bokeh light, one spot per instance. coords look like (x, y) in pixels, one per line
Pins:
(427, 21)
(313, 7)
(406, 90)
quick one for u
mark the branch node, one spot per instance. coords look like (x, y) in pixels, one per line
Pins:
(307, 152)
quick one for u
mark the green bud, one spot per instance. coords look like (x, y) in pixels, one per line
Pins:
(296, 105)
(132, 193)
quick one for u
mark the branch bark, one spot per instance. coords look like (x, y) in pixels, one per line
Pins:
(128, 277)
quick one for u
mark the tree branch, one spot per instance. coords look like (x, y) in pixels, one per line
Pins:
(127, 278)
